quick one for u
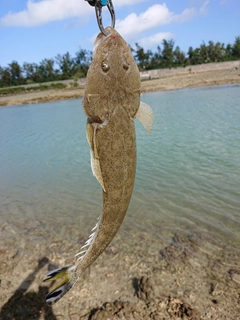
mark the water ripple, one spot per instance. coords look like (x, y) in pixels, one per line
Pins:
(188, 170)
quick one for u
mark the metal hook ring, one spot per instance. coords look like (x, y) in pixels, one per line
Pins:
(98, 9)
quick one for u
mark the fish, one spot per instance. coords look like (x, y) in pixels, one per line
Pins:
(111, 103)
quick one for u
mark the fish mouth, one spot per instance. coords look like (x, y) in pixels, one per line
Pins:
(112, 34)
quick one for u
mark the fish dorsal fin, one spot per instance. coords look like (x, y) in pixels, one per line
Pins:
(95, 164)
(145, 116)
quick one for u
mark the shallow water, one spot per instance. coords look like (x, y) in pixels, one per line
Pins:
(188, 172)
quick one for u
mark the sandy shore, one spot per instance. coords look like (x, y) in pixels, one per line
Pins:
(138, 279)
(166, 81)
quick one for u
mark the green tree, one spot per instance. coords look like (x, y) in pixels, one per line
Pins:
(82, 61)
(28, 70)
(46, 69)
(190, 55)
(6, 77)
(179, 57)
(164, 57)
(66, 64)
(218, 52)
(228, 52)
(36, 75)
(194, 56)
(143, 58)
(236, 48)
(167, 53)
(156, 59)
(16, 73)
(205, 53)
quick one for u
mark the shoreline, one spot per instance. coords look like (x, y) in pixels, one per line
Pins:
(161, 80)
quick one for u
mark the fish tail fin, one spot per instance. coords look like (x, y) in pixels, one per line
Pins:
(67, 277)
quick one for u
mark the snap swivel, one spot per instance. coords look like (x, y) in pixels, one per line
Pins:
(99, 4)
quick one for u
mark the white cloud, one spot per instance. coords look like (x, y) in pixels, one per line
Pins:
(132, 27)
(134, 24)
(45, 11)
(155, 16)
(186, 15)
(39, 13)
(155, 39)
(204, 7)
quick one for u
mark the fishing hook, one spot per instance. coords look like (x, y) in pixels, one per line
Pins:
(98, 4)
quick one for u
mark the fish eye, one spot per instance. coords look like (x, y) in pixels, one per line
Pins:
(125, 66)
(105, 66)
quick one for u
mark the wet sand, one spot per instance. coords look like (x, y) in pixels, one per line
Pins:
(190, 78)
(139, 276)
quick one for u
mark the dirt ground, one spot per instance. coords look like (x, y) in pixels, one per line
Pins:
(143, 279)
(201, 78)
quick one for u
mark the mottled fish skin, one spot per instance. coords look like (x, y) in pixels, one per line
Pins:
(111, 102)
(112, 97)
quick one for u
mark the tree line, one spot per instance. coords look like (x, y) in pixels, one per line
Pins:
(61, 67)
(166, 56)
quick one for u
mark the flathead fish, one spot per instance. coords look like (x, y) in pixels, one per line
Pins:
(111, 103)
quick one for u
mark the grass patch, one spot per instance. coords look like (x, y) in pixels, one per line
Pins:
(22, 89)
(74, 84)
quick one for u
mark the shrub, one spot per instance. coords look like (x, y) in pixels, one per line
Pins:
(14, 90)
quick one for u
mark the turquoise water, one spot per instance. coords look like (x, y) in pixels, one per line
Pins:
(188, 171)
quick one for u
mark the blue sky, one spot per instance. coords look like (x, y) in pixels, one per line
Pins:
(31, 30)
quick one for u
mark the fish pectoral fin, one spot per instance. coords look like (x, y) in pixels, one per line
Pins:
(145, 116)
(90, 134)
(96, 169)
(68, 279)
(95, 163)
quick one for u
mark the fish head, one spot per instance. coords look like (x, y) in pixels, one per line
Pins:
(113, 78)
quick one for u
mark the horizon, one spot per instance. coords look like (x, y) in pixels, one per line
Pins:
(29, 27)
